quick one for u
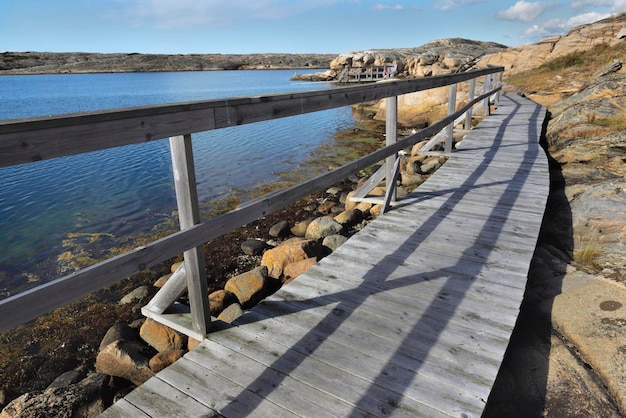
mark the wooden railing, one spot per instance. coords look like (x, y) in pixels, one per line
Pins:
(27, 140)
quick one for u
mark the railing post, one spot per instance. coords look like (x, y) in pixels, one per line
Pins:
(451, 110)
(189, 215)
(391, 132)
(486, 88)
(470, 97)
(498, 84)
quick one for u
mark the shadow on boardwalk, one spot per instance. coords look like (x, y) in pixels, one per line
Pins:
(456, 279)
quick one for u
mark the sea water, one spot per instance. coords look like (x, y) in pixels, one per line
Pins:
(55, 215)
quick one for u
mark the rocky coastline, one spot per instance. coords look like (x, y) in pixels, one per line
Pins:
(13, 63)
(269, 253)
(566, 356)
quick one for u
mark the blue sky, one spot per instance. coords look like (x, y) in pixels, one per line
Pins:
(290, 26)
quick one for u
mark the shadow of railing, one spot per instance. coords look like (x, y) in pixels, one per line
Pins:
(452, 291)
(521, 388)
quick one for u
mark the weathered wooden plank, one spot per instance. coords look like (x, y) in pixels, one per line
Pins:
(316, 373)
(222, 393)
(160, 399)
(398, 373)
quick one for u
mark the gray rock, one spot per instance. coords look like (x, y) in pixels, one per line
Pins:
(279, 229)
(334, 241)
(253, 247)
(323, 227)
(136, 295)
(64, 402)
(120, 332)
(68, 378)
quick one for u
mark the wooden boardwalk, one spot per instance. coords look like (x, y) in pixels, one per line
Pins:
(411, 317)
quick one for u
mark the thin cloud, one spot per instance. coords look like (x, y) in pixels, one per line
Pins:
(560, 26)
(396, 7)
(524, 11)
(613, 5)
(447, 5)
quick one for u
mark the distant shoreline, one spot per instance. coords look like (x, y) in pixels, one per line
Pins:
(26, 63)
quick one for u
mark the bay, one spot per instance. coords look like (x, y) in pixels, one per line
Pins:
(61, 214)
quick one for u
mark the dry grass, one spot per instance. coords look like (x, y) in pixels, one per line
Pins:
(577, 65)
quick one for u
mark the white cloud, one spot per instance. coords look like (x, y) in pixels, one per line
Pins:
(447, 5)
(560, 26)
(524, 11)
(398, 7)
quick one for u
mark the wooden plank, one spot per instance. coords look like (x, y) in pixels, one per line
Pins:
(157, 398)
(224, 395)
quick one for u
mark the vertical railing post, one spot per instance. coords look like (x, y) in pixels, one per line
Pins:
(498, 84)
(451, 110)
(470, 97)
(486, 88)
(189, 215)
(391, 132)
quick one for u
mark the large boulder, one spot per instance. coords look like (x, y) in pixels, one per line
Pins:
(290, 251)
(127, 360)
(161, 337)
(248, 287)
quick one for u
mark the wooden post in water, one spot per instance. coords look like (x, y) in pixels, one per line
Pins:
(189, 215)
(470, 97)
(451, 110)
(391, 133)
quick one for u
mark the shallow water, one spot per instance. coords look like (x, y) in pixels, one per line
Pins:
(59, 214)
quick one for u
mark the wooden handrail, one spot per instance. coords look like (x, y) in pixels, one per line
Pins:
(26, 140)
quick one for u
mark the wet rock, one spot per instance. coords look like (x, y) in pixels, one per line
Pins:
(253, 247)
(248, 287)
(161, 337)
(322, 227)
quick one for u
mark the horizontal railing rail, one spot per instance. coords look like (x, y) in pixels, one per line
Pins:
(34, 139)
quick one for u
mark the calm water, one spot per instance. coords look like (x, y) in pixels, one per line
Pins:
(56, 213)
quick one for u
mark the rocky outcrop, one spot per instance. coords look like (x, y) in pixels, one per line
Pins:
(581, 38)
(50, 63)
(440, 56)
